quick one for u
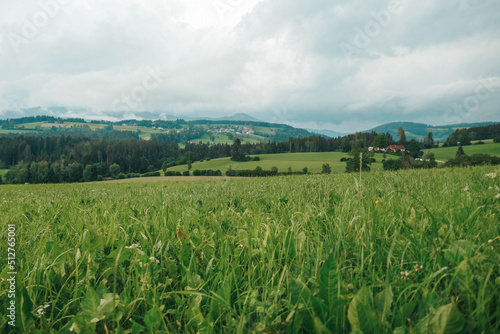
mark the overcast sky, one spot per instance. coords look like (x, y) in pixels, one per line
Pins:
(324, 64)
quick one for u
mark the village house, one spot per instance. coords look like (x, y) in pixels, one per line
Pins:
(395, 148)
(390, 148)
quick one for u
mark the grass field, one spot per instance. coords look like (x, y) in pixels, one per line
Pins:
(414, 251)
(445, 153)
(297, 161)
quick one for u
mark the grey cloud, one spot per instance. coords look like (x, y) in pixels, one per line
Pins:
(283, 60)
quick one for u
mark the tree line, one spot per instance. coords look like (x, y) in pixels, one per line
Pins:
(464, 137)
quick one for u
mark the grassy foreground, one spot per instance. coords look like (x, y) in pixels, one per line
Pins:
(395, 252)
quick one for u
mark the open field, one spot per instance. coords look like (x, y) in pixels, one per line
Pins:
(445, 153)
(223, 139)
(409, 251)
(313, 161)
(171, 178)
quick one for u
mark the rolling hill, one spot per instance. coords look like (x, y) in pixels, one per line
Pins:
(419, 130)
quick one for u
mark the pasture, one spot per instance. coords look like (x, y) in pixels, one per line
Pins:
(446, 153)
(297, 161)
(395, 252)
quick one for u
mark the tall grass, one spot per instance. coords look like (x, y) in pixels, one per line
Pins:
(409, 251)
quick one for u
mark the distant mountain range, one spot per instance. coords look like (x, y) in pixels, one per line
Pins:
(64, 112)
(419, 130)
(413, 130)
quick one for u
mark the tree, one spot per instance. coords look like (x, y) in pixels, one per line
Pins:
(326, 169)
(90, 173)
(237, 152)
(352, 164)
(429, 140)
(392, 164)
(380, 141)
(414, 149)
(429, 160)
(402, 136)
(460, 152)
(114, 170)
(464, 138)
(345, 146)
(389, 138)
(360, 143)
(274, 169)
(305, 170)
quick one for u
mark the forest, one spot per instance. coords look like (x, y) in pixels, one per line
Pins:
(94, 155)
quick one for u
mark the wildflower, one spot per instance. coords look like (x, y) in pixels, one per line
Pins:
(404, 275)
(41, 310)
(133, 246)
(497, 196)
(239, 214)
(491, 175)
(153, 259)
(240, 246)
(181, 236)
(418, 267)
(268, 219)
(466, 188)
(377, 202)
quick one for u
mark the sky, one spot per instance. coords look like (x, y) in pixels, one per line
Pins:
(338, 65)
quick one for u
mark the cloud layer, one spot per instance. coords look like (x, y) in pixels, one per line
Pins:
(343, 65)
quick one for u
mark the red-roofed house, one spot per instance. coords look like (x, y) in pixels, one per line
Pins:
(394, 148)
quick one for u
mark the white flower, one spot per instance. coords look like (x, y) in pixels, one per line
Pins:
(491, 175)
(466, 188)
(404, 275)
(497, 196)
(153, 259)
(133, 246)
(41, 310)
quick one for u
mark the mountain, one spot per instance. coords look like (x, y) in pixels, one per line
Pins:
(419, 130)
(239, 117)
(327, 133)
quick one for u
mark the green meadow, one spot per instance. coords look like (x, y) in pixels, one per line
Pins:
(446, 153)
(297, 161)
(415, 251)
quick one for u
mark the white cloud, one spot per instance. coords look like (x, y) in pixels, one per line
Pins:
(274, 59)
